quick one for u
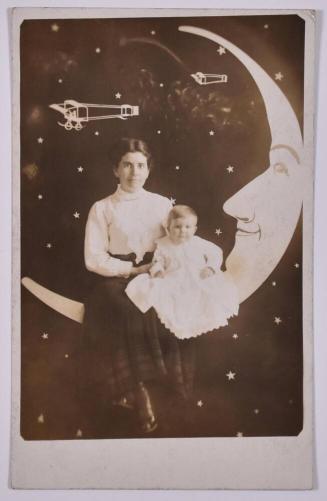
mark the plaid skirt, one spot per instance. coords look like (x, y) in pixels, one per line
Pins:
(122, 346)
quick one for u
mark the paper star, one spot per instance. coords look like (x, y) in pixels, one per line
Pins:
(98, 50)
(40, 196)
(266, 26)
(177, 167)
(161, 84)
(40, 419)
(152, 32)
(55, 27)
(158, 131)
(279, 76)
(199, 403)
(230, 169)
(76, 215)
(118, 95)
(256, 411)
(66, 355)
(45, 335)
(296, 265)
(96, 133)
(218, 232)
(49, 245)
(239, 434)
(273, 284)
(277, 320)
(79, 433)
(231, 375)
(173, 200)
(235, 336)
(80, 169)
(221, 50)
(211, 132)
(59, 80)
(40, 140)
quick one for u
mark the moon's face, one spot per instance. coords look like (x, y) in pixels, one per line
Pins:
(267, 210)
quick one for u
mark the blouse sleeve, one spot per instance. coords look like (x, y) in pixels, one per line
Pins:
(158, 262)
(96, 247)
(213, 255)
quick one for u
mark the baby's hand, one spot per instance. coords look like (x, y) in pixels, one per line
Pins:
(206, 272)
(158, 274)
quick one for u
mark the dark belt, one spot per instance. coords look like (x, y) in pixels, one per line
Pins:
(147, 258)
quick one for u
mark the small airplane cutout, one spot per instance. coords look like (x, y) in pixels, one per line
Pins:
(208, 78)
(76, 114)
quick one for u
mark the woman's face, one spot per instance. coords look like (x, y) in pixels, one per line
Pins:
(132, 171)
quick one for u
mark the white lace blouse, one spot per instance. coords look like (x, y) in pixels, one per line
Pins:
(123, 223)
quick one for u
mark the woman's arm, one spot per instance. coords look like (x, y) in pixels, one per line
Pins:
(96, 247)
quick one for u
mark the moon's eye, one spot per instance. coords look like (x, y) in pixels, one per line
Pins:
(281, 168)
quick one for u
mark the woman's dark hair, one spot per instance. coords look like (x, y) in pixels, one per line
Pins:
(129, 145)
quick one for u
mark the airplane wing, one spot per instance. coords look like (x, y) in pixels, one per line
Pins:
(58, 107)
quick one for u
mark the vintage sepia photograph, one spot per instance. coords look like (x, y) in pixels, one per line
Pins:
(163, 169)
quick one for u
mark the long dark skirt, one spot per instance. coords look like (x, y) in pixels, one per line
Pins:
(122, 346)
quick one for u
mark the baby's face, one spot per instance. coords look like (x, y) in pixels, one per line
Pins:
(182, 229)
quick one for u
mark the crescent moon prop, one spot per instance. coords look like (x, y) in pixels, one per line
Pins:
(283, 125)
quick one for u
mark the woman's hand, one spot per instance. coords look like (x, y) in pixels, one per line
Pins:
(137, 270)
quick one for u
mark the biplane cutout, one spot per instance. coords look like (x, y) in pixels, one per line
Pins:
(78, 114)
(208, 78)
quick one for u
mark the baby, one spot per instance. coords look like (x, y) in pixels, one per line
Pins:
(185, 284)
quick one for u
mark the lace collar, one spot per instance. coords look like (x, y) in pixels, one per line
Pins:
(123, 196)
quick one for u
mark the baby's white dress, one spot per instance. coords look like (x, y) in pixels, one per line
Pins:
(185, 303)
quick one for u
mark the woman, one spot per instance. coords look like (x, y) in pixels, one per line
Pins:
(126, 349)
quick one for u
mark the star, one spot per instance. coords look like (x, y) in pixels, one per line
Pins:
(199, 403)
(40, 140)
(152, 32)
(277, 320)
(40, 196)
(40, 419)
(291, 402)
(218, 232)
(118, 95)
(221, 50)
(48, 245)
(266, 26)
(66, 355)
(230, 169)
(80, 169)
(235, 336)
(55, 27)
(296, 265)
(279, 76)
(173, 200)
(159, 131)
(273, 284)
(161, 84)
(96, 133)
(59, 80)
(98, 50)
(79, 433)
(256, 411)
(177, 167)
(45, 335)
(76, 215)
(231, 375)
(239, 434)
(211, 132)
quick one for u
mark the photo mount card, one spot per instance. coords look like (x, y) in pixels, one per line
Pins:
(162, 328)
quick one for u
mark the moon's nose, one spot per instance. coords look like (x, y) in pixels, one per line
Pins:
(243, 204)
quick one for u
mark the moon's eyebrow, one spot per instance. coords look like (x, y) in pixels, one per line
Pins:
(288, 148)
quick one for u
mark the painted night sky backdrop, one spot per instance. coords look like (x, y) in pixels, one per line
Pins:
(148, 63)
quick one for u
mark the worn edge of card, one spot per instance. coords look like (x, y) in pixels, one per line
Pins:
(260, 462)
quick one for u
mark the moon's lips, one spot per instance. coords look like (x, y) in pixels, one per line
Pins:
(286, 137)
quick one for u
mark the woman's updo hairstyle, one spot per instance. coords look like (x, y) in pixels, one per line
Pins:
(129, 145)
